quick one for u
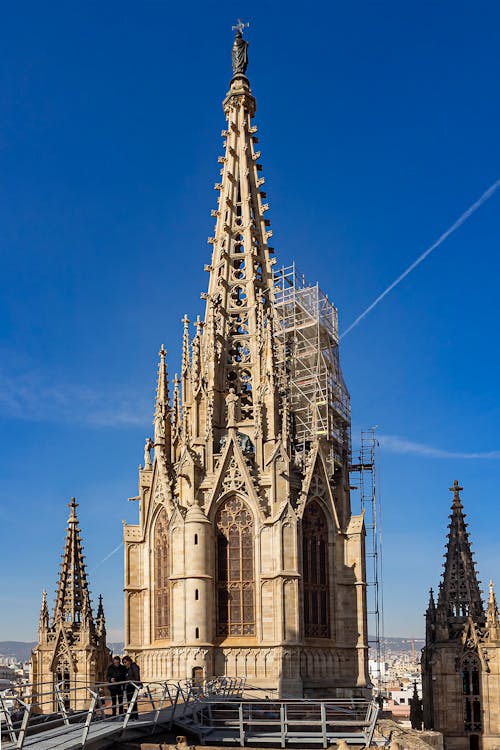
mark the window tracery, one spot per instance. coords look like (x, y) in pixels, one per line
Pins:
(471, 669)
(161, 578)
(315, 571)
(235, 569)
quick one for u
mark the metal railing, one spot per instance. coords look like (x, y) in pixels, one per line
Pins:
(43, 711)
(284, 722)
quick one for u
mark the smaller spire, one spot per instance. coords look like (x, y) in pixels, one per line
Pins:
(43, 623)
(196, 354)
(459, 593)
(492, 617)
(100, 620)
(73, 599)
(185, 346)
(162, 432)
(176, 417)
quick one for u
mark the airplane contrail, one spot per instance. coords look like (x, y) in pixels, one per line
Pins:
(458, 223)
(106, 558)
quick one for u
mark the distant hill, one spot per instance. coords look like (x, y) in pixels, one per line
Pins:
(399, 645)
(21, 651)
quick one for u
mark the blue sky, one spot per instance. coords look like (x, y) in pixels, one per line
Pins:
(378, 125)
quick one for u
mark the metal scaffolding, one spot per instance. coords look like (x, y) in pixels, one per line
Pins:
(308, 333)
(363, 472)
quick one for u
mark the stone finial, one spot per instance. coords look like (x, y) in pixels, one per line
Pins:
(492, 617)
(73, 505)
(161, 420)
(44, 613)
(185, 345)
(456, 489)
(100, 619)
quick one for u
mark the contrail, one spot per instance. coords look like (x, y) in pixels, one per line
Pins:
(106, 558)
(458, 223)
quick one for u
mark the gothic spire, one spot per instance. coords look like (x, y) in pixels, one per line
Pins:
(176, 414)
(162, 406)
(459, 595)
(239, 303)
(73, 598)
(100, 620)
(492, 618)
(43, 622)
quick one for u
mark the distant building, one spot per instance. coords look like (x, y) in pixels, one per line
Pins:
(461, 658)
(7, 673)
(247, 559)
(71, 651)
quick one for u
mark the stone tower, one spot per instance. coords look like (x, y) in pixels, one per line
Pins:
(71, 650)
(461, 658)
(246, 560)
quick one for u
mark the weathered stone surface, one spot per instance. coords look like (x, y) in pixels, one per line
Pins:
(246, 561)
(461, 658)
(71, 647)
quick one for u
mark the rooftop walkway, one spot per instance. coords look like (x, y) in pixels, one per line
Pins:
(44, 721)
(217, 712)
(280, 722)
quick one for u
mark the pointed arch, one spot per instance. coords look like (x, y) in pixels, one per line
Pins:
(62, 677)
(471, 686)
(161, 577)
(234, 525)
(315, 571)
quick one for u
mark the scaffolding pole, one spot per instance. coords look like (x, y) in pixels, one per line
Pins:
(364, 478)
(307, 332)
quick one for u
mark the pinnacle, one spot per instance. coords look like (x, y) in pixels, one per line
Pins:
(459, 594)
(72, 595)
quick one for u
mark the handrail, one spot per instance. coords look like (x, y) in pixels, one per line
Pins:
(159, 694)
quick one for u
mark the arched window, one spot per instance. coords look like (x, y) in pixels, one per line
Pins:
(235, 572)
(315, 571)
(471, 669)
(161, 578)
(62, 677)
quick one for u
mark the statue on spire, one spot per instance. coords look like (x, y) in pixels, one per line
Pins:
(240, 49)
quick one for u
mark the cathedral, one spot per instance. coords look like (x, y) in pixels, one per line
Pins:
(461, 658)
(71, 652)
(247, 560)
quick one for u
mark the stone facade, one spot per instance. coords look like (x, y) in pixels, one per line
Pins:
(71, 650)
(246, 559)
(461, 658)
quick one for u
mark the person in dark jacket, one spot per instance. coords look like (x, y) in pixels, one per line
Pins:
(116, 676)
(134, 675)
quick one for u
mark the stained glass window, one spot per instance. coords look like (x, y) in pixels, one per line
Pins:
(161, 578)
(235, 569)
(315, 571)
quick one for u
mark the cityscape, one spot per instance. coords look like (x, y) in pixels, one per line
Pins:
(270, 571)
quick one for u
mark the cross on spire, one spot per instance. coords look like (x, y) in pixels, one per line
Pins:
(240, 26)
(456, 487)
